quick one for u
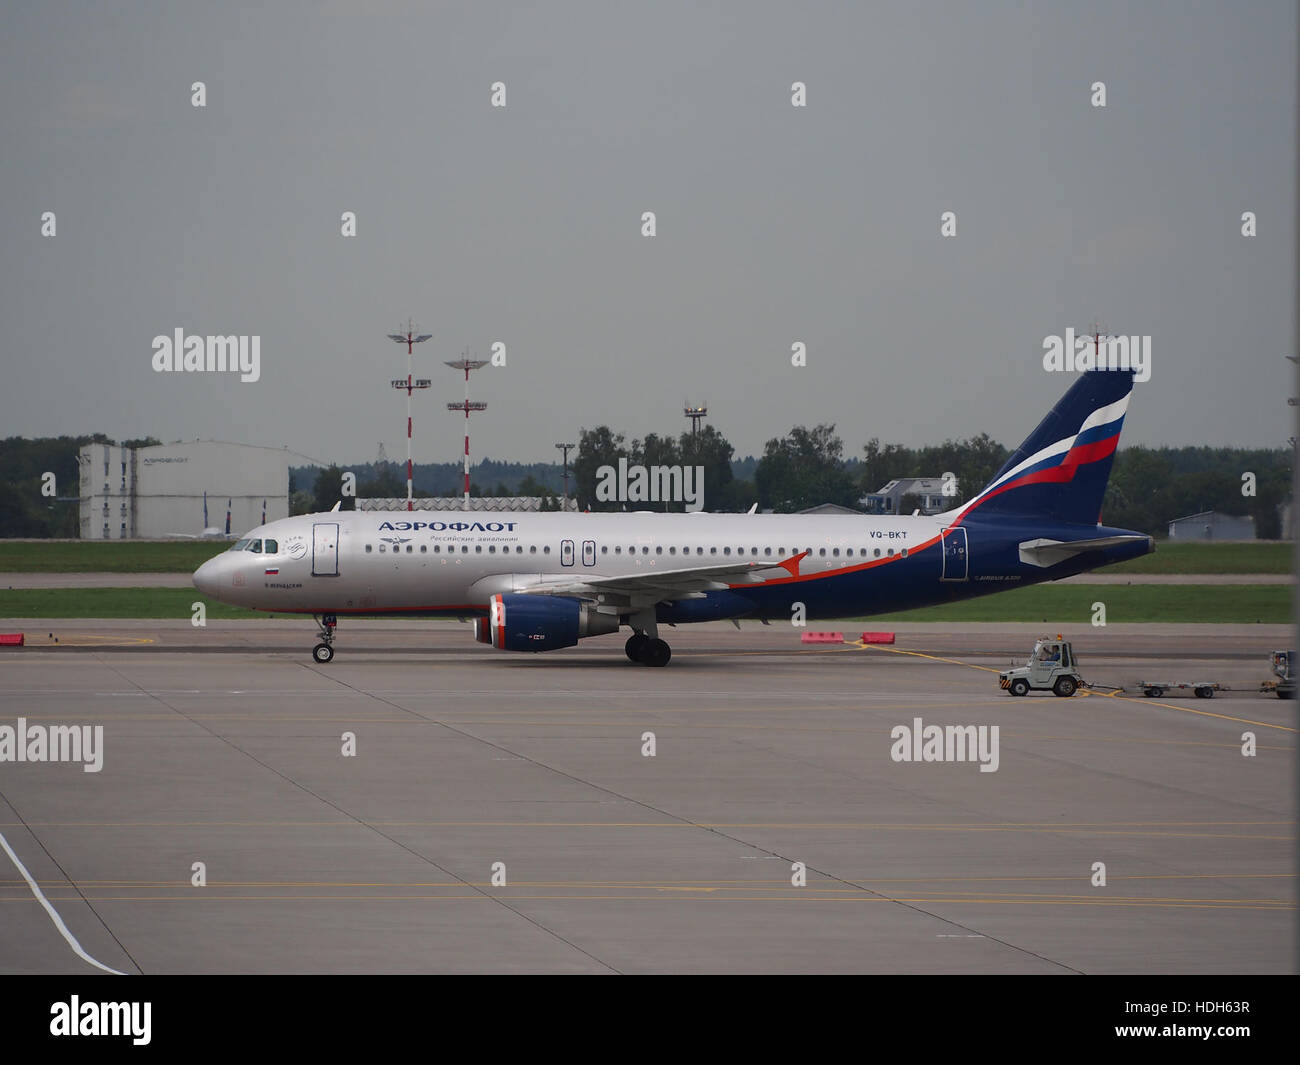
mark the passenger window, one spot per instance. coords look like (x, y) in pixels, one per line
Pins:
(821, 551)
(478, 549)
(618, 550)
(645, 550)
(672, 550)
(877, 552)
(836, 552)
(381, 549)
(532, 549)
(437, 549)
(492, 550)
(849, 552)
(659, 550)
(890, 551)
(904, 552)
(767, 551)
(713, 550)
(604, 549)
(726, 550)
(409, 549)
(546, 550)
(424, 549)
(367, 549)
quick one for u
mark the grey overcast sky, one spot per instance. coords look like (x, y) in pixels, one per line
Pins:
(522, 224)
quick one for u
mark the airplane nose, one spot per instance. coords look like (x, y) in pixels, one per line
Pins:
(205, 577)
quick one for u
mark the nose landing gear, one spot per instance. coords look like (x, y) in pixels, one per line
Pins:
(323, 652)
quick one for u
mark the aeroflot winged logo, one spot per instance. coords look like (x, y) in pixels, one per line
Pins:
(450, 526)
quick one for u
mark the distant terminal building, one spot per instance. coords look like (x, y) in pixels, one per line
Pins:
(889, 499)
(158, 492)
(485, 503)
(1210, 525)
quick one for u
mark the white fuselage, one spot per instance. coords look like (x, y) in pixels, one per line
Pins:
(419, 562)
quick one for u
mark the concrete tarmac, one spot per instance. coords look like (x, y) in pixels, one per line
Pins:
(501, 812)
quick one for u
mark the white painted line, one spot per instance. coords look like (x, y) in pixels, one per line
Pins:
(54, 915)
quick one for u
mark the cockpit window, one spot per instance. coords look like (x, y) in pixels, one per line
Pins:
(255, 546)
(239, 545)
(272, 547)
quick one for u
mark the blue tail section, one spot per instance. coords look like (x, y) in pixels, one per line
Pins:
(1061, 469)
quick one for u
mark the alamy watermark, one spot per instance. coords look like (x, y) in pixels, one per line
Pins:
(655, 484)
(1068, 353)
(53, 743)
(192, 354)
(946, 743)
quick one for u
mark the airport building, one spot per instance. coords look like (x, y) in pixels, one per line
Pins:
(929, 490)
(181, 489)
(1210, 525)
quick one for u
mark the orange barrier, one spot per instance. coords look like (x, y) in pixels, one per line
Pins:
(877, 637)
(11, 639)
(822, 637)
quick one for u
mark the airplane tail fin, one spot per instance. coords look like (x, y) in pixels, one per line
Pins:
(1061, 469)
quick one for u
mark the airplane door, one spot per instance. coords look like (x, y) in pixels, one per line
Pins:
(325, 549)
(588, 552)
(955, 556)
(566, 552)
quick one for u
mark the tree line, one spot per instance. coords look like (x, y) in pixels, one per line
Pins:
(807, 466)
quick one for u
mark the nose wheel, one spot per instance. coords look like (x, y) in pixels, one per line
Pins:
(323, 652)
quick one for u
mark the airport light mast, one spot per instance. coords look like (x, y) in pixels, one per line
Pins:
(410, 384)
(566, 448)
(466, 363)
(695, 414)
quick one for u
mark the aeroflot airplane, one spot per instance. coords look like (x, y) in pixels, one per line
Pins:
(537, 582)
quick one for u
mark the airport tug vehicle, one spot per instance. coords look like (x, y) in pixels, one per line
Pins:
(1052, 667)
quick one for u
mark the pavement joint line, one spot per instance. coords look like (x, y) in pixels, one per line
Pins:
(354, 819)
(687, 822)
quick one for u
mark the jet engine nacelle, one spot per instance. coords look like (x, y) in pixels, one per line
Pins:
(539, 622)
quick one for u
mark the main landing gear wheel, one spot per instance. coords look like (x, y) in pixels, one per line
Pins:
(635, 645)
(324, 651)
(655, 653)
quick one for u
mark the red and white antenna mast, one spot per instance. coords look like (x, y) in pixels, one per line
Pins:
(466, 363)
(1097, 331)
(410, 340)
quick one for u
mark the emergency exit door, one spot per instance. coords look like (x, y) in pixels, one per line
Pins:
(325, 549)
(956, 564)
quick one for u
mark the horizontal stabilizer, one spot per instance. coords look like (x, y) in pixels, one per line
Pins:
(1045, 553)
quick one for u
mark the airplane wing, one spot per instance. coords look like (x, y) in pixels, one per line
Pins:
(1044, 552)
(664, 585)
